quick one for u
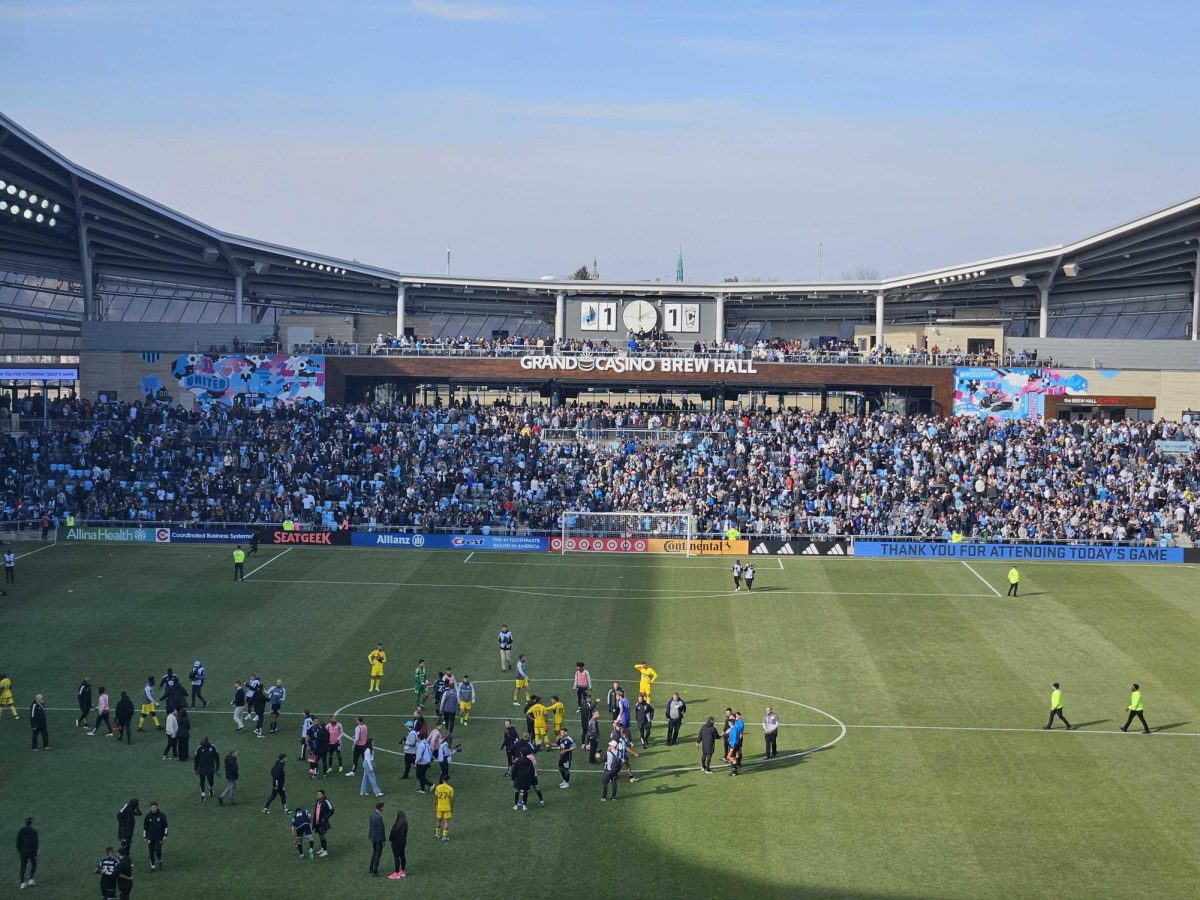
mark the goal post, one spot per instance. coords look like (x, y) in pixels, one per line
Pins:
(617, 532)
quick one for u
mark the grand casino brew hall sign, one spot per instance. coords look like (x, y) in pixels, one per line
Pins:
(620, 364)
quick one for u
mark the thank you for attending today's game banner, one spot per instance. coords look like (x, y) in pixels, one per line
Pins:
(1018, 552)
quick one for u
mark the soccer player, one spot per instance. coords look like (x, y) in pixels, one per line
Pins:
(736, 733)
(647, 677)
(521, 681)
(623, 715)
(322, 812)
(149, 705)
(376, 658)
(583, 684)
(505, 640)
(154, 833)
(449, 708)
(301, 829)
(625, 745)
(1136, 710)
(10, 567)
(334, 730)
(84, 696)
(508, 743)
(771, 732)
(645, 719)
(125, 816)
(566, 746)
(749, 576)
(206, 763)
(360, 741)
(613, 701)
(277, 695)
(257, 698)
(278, 776)
(444, 810)
(1056, 707)
(6, 695)
(420, 682)
(537, 711)
(557, 713)
(737, 575)
(466, 697)
(107, 870)
(27, 850)
(1014, 581)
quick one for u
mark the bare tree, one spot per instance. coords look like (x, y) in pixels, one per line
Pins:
(861, 273)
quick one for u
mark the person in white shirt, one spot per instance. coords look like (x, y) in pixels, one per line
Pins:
(368, 778)
(102, 714)
(771, 731)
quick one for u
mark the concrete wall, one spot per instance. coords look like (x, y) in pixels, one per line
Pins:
(926, 337)
(1114, 354)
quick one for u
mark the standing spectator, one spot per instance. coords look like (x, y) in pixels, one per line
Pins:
(37, 722)
(10, 567)
(125, 816)
(360, 741)
(197, 677)
(124, 873)
(583, 684)
(321, 814)
(231, 779)
(771, 732)
(102, 713)
(277, 784)
(239, 706)
(707, 739)
(172, 748)
(645, 719)
(125, 718)
(27, 850)
(206, 764)
(612, 771)
(399, 840)
(443, 810)
(277, 695)
(424, 759)
(675, 710)
(154, 832)
(505, 640)
(377, 837)
(368, 778)
(466, 698)
(84, 696)
(45, 526)
(334, 740)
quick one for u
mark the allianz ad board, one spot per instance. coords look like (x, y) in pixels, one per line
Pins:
(699, 547)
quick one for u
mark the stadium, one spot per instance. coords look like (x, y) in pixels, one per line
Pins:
(853, 533)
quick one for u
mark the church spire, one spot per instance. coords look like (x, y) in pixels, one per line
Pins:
(679, 265)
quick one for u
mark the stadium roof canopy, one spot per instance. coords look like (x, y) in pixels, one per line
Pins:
(112, 254)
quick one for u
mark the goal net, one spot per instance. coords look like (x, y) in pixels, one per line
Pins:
(626, 532)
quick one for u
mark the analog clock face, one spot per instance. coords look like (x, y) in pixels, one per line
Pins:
(640, 316)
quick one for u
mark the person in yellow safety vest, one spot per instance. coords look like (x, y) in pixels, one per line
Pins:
(1136, 710)
(1056, 707)
(732, 534)
(288, 524)
(239, 563)
(70, 520)
(1014, 580)
(956, 537)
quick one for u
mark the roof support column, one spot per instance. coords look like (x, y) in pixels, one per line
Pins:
(237, 299)
(879, 322)
(1043, 310)
(1196, 297)
(719, 330)
(560, 317)
(400, 310)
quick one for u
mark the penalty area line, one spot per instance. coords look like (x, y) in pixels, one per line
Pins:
(269, 561)
(971, 569)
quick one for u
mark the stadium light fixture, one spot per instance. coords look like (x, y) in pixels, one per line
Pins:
(1071, 269)
(1019, 280)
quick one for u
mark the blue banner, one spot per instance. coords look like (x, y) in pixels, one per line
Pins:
(1018, 552)
(448, 541)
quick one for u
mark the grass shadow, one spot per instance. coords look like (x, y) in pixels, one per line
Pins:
(1169, 727)
(1079, 725)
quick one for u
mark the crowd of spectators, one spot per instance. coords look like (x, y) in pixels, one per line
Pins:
(473, 467)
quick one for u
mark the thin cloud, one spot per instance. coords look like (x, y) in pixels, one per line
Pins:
(620, 111)
(30, 12)
(461, 12)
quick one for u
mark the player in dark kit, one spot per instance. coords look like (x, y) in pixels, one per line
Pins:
(107, 870)
(301, 829)
(154, 832)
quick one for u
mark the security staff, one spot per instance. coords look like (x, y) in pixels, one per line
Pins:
(1136, 710)
(1014, 580)
(239, 563)
(1056, 707)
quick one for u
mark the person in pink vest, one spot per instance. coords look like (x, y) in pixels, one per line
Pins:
(360, 744)
(334, 729)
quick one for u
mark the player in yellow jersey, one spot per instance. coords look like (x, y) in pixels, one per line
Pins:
(6, 695)
(537, 712)
(376, 658)
(649, 676)
(555, 709)
(443, 794)
(148, 705)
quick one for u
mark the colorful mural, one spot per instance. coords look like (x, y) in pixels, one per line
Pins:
(278, 380)
(997, 393)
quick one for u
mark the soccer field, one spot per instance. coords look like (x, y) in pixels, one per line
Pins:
(912, 760)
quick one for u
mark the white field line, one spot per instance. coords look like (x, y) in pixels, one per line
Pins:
(271, 560)
(780, 561)
(468, 559)
(980, 577)
(38, 550)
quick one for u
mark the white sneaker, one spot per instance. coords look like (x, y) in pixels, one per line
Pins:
(564, 785)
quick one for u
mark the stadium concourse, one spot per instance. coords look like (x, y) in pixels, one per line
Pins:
(473, 467)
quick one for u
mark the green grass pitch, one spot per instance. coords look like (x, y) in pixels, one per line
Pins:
(942, 784)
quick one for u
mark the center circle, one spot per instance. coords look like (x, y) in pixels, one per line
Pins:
(834, 722)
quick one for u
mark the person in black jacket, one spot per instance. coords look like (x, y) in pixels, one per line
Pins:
(205, 765)
(125, 717)
(322, 747)
(707, 740)
(645, 718)
(231, 780)
(84, 695)
(107, 870)
(321, 814)
(586, 709)
(27, 850)
(399, 840)
(125, 816)
(593, 737)
(277, 784)
(675, 710)
(185, 731)
(259, 704)
(124, 873)
(37, 722)
(523, 774)
(154, 832)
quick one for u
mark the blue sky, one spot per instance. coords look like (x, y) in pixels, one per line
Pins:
(535, 136)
